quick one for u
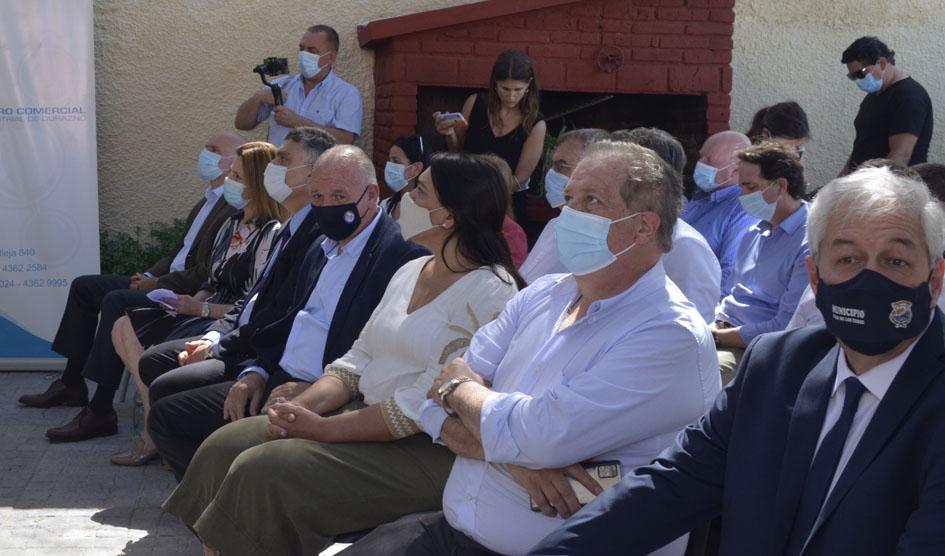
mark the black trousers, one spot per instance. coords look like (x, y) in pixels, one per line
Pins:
(95, 302)
(417, 535)
(179, 423)
(163, 376)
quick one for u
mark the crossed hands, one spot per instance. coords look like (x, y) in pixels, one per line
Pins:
(550, 489)
(141, 282)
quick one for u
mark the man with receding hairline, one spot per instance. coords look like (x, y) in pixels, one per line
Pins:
(606, 363)
(714, 210)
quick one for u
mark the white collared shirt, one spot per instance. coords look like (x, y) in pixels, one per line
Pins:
(877, 382)
(212, 195)
(618, 384)
(332, 103)
(305, 347)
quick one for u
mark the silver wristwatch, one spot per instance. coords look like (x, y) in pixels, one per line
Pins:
(205, 310)
(447, 388)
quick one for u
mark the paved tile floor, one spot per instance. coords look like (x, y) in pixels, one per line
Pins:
(68, 499)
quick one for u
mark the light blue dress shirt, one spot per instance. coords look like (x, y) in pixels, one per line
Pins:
(333, 103)
(618, 384)
(690, 264)
(212, 195)
(305, 347)
(769, 277)
(722, 221)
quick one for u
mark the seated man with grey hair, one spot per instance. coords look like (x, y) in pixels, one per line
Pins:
(830, 440)
(690, 263)
(605, 364)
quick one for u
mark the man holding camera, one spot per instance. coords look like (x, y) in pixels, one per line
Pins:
(607, 363)
(315, 97)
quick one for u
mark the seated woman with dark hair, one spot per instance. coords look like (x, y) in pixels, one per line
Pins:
(406, 160)
(237, 259)
(784, 123)
(347, 453)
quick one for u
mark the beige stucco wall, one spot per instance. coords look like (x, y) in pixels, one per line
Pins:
(791, 50)
(169, 73)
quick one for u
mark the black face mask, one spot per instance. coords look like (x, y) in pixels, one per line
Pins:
(338, 222)
(873, 314)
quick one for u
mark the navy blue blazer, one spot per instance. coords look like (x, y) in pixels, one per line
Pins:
(748, 457)
(275, 297)
(383, 255)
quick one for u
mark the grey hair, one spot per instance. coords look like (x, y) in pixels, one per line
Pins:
(585, 136)
(877, 192)
(649, 184)
(356, 156)
(314, 142)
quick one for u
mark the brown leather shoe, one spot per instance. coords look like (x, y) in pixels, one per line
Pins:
(84, 426)
(58, 393)
(139, 454)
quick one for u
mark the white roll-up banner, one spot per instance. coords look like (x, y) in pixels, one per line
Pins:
(48, 176)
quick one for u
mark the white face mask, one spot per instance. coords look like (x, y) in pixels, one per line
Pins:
(414, 219)
(274, 181)
(308, 64)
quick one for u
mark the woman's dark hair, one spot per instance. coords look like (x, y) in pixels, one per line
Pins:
(784, 119)
(475, 193)
(516, 65)
(415, 148)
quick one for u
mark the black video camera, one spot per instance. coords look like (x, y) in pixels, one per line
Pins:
(273, 66)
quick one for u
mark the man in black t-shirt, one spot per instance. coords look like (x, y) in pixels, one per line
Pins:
(895, 118)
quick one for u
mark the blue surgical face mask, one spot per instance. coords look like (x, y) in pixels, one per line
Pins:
(233, 193)
(754, 204)
(582, 241)
(308, 64)
(554, 187)
(394, 175)
(704, 176)
(869, 84)
(208, 165)
(873, 314)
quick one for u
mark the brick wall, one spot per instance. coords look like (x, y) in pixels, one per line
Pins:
(668, 46)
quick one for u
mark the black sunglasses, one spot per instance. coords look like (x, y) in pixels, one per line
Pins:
(860, 73)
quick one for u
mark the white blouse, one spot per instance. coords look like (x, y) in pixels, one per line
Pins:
(398, 355)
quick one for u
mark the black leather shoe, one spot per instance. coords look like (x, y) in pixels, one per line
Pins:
(58, 393)
(84, 426)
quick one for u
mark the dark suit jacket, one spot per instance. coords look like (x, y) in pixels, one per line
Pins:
(196, 268)
(747, 459)
(384, 253)
(275, 296)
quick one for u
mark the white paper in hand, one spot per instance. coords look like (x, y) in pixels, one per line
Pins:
(162, 296)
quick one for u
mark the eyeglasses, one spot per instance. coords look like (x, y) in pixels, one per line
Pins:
(801, 149)
(860, 73)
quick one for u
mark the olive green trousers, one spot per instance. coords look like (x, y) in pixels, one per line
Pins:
(244, 494)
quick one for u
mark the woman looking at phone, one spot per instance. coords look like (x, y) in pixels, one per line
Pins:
(504, 121)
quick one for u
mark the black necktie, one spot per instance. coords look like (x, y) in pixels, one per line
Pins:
(824, 467)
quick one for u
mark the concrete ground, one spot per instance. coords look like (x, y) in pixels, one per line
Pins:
(68, 499)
